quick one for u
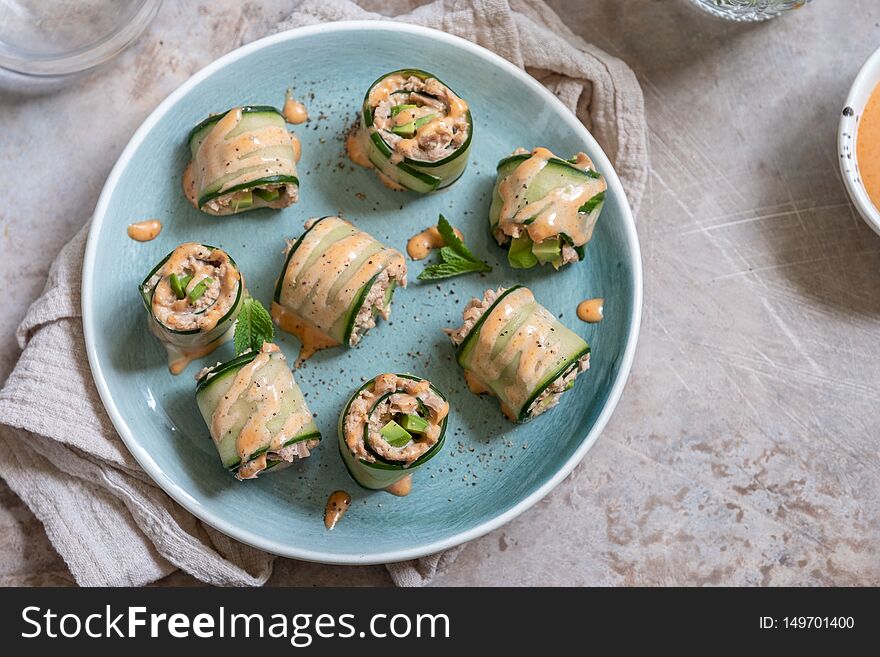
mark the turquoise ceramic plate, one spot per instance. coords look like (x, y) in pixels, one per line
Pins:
(490, 470)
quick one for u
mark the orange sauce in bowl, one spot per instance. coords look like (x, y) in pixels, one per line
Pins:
(868, 147)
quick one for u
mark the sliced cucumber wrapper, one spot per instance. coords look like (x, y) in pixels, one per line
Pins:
(234, 467)
(383, 473)
(465, 349)
(251, 116)
(209, 391)
(192, 337)
(224, 369)
(538, 189)
(348, 320)
(356, 308)
(416, 175)
(279, 284)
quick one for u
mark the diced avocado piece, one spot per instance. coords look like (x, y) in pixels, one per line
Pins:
(177, 286)
(520, 255)
(423, 120)
(200, 288)
(548, 250)
(413, 423)
(397, 109)
(242, 201)
(394, 434)
(405, 130)
(268, 195)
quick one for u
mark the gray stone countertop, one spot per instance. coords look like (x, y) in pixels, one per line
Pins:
(746, 448)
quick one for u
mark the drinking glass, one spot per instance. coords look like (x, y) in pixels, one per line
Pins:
(61, 37)
(748, 10)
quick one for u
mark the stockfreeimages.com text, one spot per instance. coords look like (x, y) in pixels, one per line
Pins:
(299, 629)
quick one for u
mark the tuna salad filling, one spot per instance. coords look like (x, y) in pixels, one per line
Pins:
(194, 289)
(472, 313)
(552, 393)
(276, 460)
(419, 119)
(377, 302)
(395, 419)
(268, 196)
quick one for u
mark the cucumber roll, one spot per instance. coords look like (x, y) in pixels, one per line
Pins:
(193, 297)
(336, 281)
(513, 348)
(242, 159)
(414, 130)
(391, 427)
(544, 208)
(256, 413)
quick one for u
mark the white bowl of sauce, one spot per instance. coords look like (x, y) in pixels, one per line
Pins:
(858, 142)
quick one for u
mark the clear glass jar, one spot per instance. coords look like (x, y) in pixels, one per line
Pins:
(748, 10)
(60, 37)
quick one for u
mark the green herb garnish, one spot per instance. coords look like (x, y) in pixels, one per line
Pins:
(455, 257)
(253, 328)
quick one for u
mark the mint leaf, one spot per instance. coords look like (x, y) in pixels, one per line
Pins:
(447, 232)
(253, 328)
(452, 265)
(455, 257)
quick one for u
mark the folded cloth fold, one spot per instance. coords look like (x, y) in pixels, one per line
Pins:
(59, 451)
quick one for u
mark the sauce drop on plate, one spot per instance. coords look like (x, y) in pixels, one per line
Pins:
(419, 246)
(868, 147)
(312, 338)
(188, 182)
(337, 505)
(179, 358)
(294, 111)
(401, 488)
(144, 231)
(355, 150)
(297, 147)
(591, 310)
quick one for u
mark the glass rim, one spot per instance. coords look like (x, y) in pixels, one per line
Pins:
(86, 57)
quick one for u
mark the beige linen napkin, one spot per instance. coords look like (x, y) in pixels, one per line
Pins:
(58, 449)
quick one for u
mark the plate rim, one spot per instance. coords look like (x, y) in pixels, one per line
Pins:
(192, 504)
